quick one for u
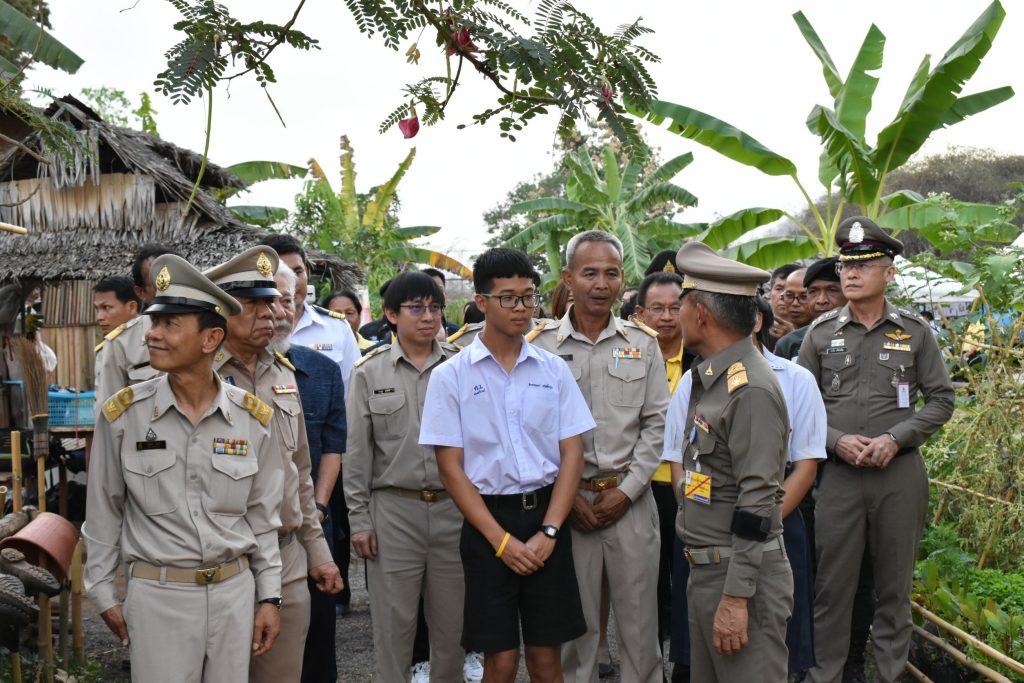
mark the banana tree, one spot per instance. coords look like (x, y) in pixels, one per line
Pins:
(250, 173)
(850, 168)
(27, 37)
(350, 223)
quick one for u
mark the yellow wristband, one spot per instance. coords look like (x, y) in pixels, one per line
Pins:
(504, 542)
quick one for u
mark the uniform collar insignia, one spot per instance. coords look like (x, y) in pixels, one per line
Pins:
(894, 315)
(709, 372)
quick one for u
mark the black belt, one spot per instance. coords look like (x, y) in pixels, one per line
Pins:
(519, 501)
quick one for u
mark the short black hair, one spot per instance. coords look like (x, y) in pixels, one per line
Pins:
(434, 272)
(501, 262)
(148, 251)
(284, 244)
(767, 320)
(209, 320)
(122, 287)
(410, 286)
(348, 294)
(656, 278)
(784, 271)
(734, 312)
(472, 313)
(384, 288)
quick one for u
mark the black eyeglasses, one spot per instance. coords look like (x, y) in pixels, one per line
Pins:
(511, 300)
(790, 297)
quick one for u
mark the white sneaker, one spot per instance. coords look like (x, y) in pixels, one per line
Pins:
(473, 667)
(420, 673)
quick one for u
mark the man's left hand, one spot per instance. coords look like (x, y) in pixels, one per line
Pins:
(265, 628)
(327, 577)
(880, 451)
(730, 628)
(609, 505)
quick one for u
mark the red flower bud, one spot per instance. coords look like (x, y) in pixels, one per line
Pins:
(410, 126)
(460, 42)
(607, 93)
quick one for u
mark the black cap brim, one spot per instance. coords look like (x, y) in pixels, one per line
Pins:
(254, 292)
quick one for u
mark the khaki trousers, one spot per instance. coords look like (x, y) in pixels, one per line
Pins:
(417, 555)
(187, 633)
(881, 512)
(765, 659)
(284, 661)
(628, 551)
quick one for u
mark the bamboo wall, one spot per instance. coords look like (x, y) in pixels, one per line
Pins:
(71, 331)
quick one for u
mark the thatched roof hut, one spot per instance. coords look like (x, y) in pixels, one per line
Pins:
(88, 215)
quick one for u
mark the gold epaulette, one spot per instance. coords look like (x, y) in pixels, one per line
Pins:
(333, 314)
(118, 403)
(736, 376)
(642, 326)
(99, 346)
(258, 409)
(371, 354)
(284, 361)
(532, 334)
(112, 335)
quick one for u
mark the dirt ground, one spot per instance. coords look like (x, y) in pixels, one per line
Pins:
(354, 641)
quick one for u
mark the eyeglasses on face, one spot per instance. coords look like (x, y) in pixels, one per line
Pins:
(802, 297)
(661, 310)
(511, 300)
(417, 310)
(856, 267)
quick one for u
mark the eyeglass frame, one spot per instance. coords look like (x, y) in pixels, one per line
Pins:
(435, 308)
(516, 300)
(854, 266)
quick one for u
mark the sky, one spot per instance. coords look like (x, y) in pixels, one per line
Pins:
(743, 61)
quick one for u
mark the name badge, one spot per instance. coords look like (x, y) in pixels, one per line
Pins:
(697, 487)
(150, 445)
(903, 395)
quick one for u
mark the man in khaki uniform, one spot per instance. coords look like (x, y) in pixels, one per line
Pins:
(185, 488)
(403, 521)
(740, 592)
(246, 362)
(619, 368)
(122, 358)
(872, 361)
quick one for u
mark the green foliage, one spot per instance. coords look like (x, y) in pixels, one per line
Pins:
(115, 108)
(10, 54)
(850, 168)
(146, 114)
(23, 39)
(559, 62)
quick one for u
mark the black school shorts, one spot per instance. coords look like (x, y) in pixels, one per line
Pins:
(547, 602)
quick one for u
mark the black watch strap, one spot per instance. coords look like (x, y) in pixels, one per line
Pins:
(549, 530)
(321, 507)
(276, 602)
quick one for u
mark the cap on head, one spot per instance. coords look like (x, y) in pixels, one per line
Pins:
(663, 262)
(822, 269)
(706, 271)
(250, 274)
(860, 239)
(181, 288)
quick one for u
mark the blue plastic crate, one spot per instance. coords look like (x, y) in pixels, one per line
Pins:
(68, 410)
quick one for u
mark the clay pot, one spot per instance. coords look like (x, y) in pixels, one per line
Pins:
(49, 537)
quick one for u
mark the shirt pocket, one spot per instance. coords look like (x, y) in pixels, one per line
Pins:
(627, 384)
(150, 480)
(540, 411)
(230, 483)
(288, 408)
(895, 367)
(838, 374)
(388, 415)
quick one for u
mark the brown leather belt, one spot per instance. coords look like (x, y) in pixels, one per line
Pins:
(426, 496)
(200, 575)
(714, 554)
(602, 483)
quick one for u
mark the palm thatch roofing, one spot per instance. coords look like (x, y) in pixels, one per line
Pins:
(88, 216)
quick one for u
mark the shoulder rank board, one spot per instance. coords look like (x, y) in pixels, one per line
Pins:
(736, 376)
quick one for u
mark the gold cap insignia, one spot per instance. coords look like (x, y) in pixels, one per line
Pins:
(163, 279)
(669, 268)
(263, 265)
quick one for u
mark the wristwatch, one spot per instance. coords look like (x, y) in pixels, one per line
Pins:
(550, 530)
(893, 437)
(276, 602)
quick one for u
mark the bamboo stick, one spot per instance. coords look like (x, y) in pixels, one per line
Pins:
(16, 229)
(77, 588)
(62, 627)
(917, 674)
(960, 657)
(16, 667)
(16, 470)
(961, 489)
(989, 651)
(41, 483)
(45, 631)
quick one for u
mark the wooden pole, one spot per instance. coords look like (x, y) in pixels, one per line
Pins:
(989, 651)
(16, 229)
(62, 504)
(16, 667)
(961, 489)
(41, 483)
(917, 674)
(77, 588)
(16, 470)
(960, 657)
(62, 627)
(45, 632)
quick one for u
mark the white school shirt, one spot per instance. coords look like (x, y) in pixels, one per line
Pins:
(508, 424)
(807, 418)
(330, 336)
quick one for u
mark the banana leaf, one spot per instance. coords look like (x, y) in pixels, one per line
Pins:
(435, 259)
(524, 238)
(976, 103)
(769, 253)
(549, 204)
(831, 73)
(715, 134)
(670, 169)
(723, 232)
(24, 34)
(848, 155)
(854, 100)
(257, 171)
(414, 231)
(263, 216)
(657, 194)
(377, 207)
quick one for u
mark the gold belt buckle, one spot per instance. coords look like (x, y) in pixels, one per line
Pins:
(688, 556)
(208, 575)
(428, 496)
(601, 484)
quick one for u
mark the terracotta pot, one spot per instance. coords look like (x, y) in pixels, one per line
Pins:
(49, 537)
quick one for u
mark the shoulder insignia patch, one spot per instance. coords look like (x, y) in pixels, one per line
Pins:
(825, 316)
(284, 361)
(118, 403)
(258, 409)
(112, 335)
(736, 376)
(642, 326)
(532, 334)
(371, 354)
(99, 346)
(450, 348)
(468, 327)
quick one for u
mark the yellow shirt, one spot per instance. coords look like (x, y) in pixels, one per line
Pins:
(674, 371)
